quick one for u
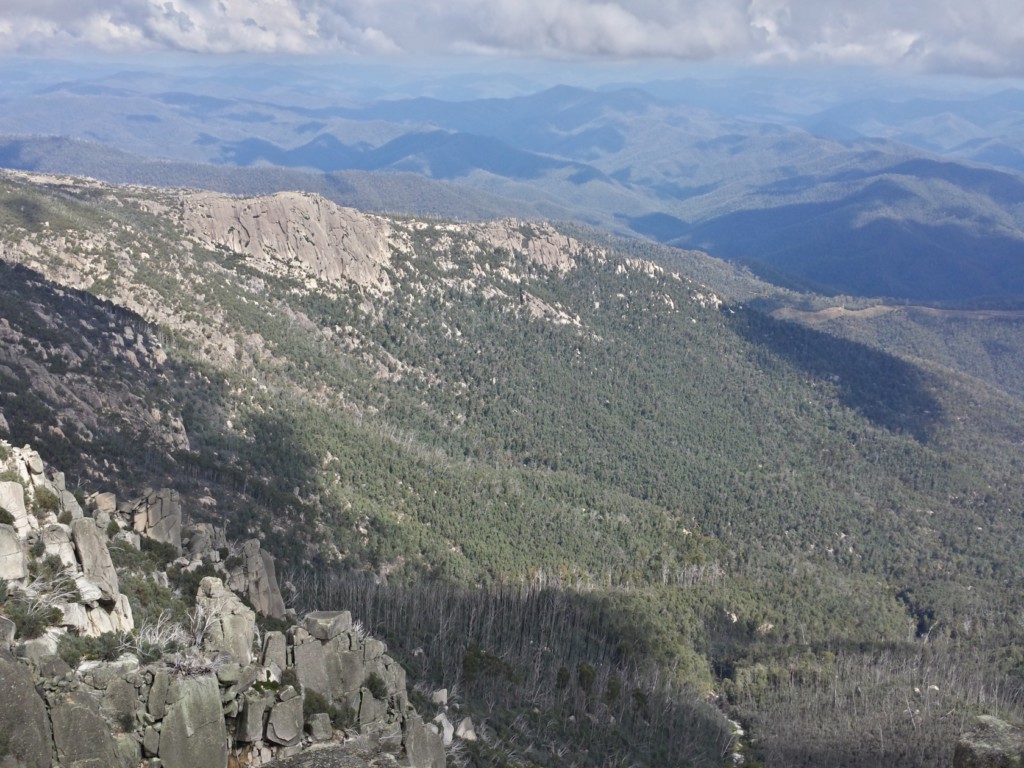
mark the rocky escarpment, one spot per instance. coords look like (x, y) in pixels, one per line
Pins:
(304, 234)
(84, 682)
(295, 229)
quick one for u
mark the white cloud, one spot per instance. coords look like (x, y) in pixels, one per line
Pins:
(985, 36)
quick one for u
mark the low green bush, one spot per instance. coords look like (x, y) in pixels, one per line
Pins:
(74, 648)
(31, 618)
(46, 501)
(375, 684)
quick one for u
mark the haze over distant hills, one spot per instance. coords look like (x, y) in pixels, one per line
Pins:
(848, 188)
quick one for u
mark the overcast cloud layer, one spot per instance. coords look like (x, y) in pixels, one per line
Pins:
(967, 36)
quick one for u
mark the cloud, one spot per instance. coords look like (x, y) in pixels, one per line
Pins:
(986, 36)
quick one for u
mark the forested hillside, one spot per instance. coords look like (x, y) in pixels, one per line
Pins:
(570, 482)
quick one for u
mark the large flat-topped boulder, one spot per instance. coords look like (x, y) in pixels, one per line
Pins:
(326, 625)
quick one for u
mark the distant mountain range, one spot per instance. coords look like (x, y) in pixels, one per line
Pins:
(896, 194)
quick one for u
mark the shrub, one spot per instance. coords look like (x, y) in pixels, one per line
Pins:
(46, 501)
(37, 549)
(32, 617)
(74, 648)
(64, 518)
(6, 517)
(375, 684)
(314, 703)
(291, 677)
(3, 590)
(113, 529)
(162, 553)
(5, 453)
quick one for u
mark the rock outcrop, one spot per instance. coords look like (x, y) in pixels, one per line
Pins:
(92, 552)
(158, 517)
(209, 693)
(256, 578)
(294, 229)
(231, 626)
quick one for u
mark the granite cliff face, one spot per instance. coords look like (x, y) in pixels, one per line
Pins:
(293, 229)
(305, 234)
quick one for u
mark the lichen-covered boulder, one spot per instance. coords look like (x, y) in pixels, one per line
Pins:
(23, 717)
(284, 726)
(81, 736)
(193, 734)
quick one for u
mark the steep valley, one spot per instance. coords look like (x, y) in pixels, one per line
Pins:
(629, 515)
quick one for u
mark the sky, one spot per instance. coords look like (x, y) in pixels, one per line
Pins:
(980, 38)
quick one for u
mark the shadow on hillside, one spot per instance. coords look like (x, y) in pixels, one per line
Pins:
(889, 392)
(76, 384)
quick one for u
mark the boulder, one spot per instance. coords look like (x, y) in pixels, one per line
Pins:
(57, 541)
(23, 717)
(465, 729)
(158, 516)
(319, 727)
(275, 652)
(234, 624)
(261, 580)
(105, 503)
(990, 743)
(91, 548)
(345, 671)
(446, 728)
(326, 625)
(12, 498)
(81, 736)
(156, 703)
(311, 668)
(249, 724)
(193, 734)
(7, 632)
(69, 504)
(423, 748)
(13, 564)
(371, 709)
(284, 726)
